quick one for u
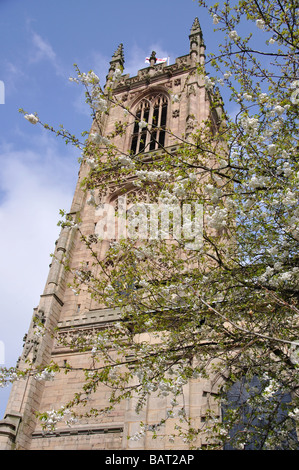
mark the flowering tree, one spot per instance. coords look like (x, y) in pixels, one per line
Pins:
(224, 306)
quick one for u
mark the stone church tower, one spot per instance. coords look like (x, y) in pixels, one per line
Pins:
(66, 314)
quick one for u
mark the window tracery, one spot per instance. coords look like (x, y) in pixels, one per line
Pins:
(150, 124)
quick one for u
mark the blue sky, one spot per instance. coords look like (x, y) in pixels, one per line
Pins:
(39, 42)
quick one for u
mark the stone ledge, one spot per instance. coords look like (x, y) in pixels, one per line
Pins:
(88, 430)
(90, 317)
(52, 294)
(9, 425)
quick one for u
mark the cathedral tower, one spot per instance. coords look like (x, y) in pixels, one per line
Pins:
(150, 95)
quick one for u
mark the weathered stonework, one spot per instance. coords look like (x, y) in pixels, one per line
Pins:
(77, 316)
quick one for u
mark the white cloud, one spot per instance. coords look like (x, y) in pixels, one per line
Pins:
(34, 185)
(14, 75)
(42, 50)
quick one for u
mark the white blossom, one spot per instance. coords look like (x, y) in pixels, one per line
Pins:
(277, 266)
(294, 84)
(168, 198)
(179, 190)
(93, 78)
(209, 82)
(153, 175)
(278, 109)
(271, 389)
(230, 203)
(142, 124)
(47, 374)
(75, 80)
(250, 124)
(31, 118)
(209, 188)
(94, 351)
(218, 219)
(263, 97)
(271, 149)
(273, 251)
(53, 417)
(101, 104)
(294, 413)
(258, 182)
(91, 162)
(267, 274)
(89, 78)
(286, 169)
(290, 198)
(126, 161)
(276, 125)
(117, 73)
(233, 35)
(295, 95)
(193, 177)
(260, 23)
(247, 96)
(96, 138)
(286, 276)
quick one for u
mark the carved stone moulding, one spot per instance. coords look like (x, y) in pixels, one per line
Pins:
(75, 339)
(77, 431)
(80, 332)
(151, 74)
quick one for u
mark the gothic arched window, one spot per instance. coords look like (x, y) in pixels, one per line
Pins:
(152, 111)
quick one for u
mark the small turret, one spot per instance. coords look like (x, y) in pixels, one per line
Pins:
(117, 62)
(197, 47)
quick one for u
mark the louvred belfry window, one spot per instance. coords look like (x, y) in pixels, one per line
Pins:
(153, 112)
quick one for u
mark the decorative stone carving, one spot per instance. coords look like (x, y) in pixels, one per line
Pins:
(76, 338)
(182, 61)
(32, 339)
(168, 84)
(190, 123)
(30, 346)
(191, 90)
(125, 97)
(154, 72)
